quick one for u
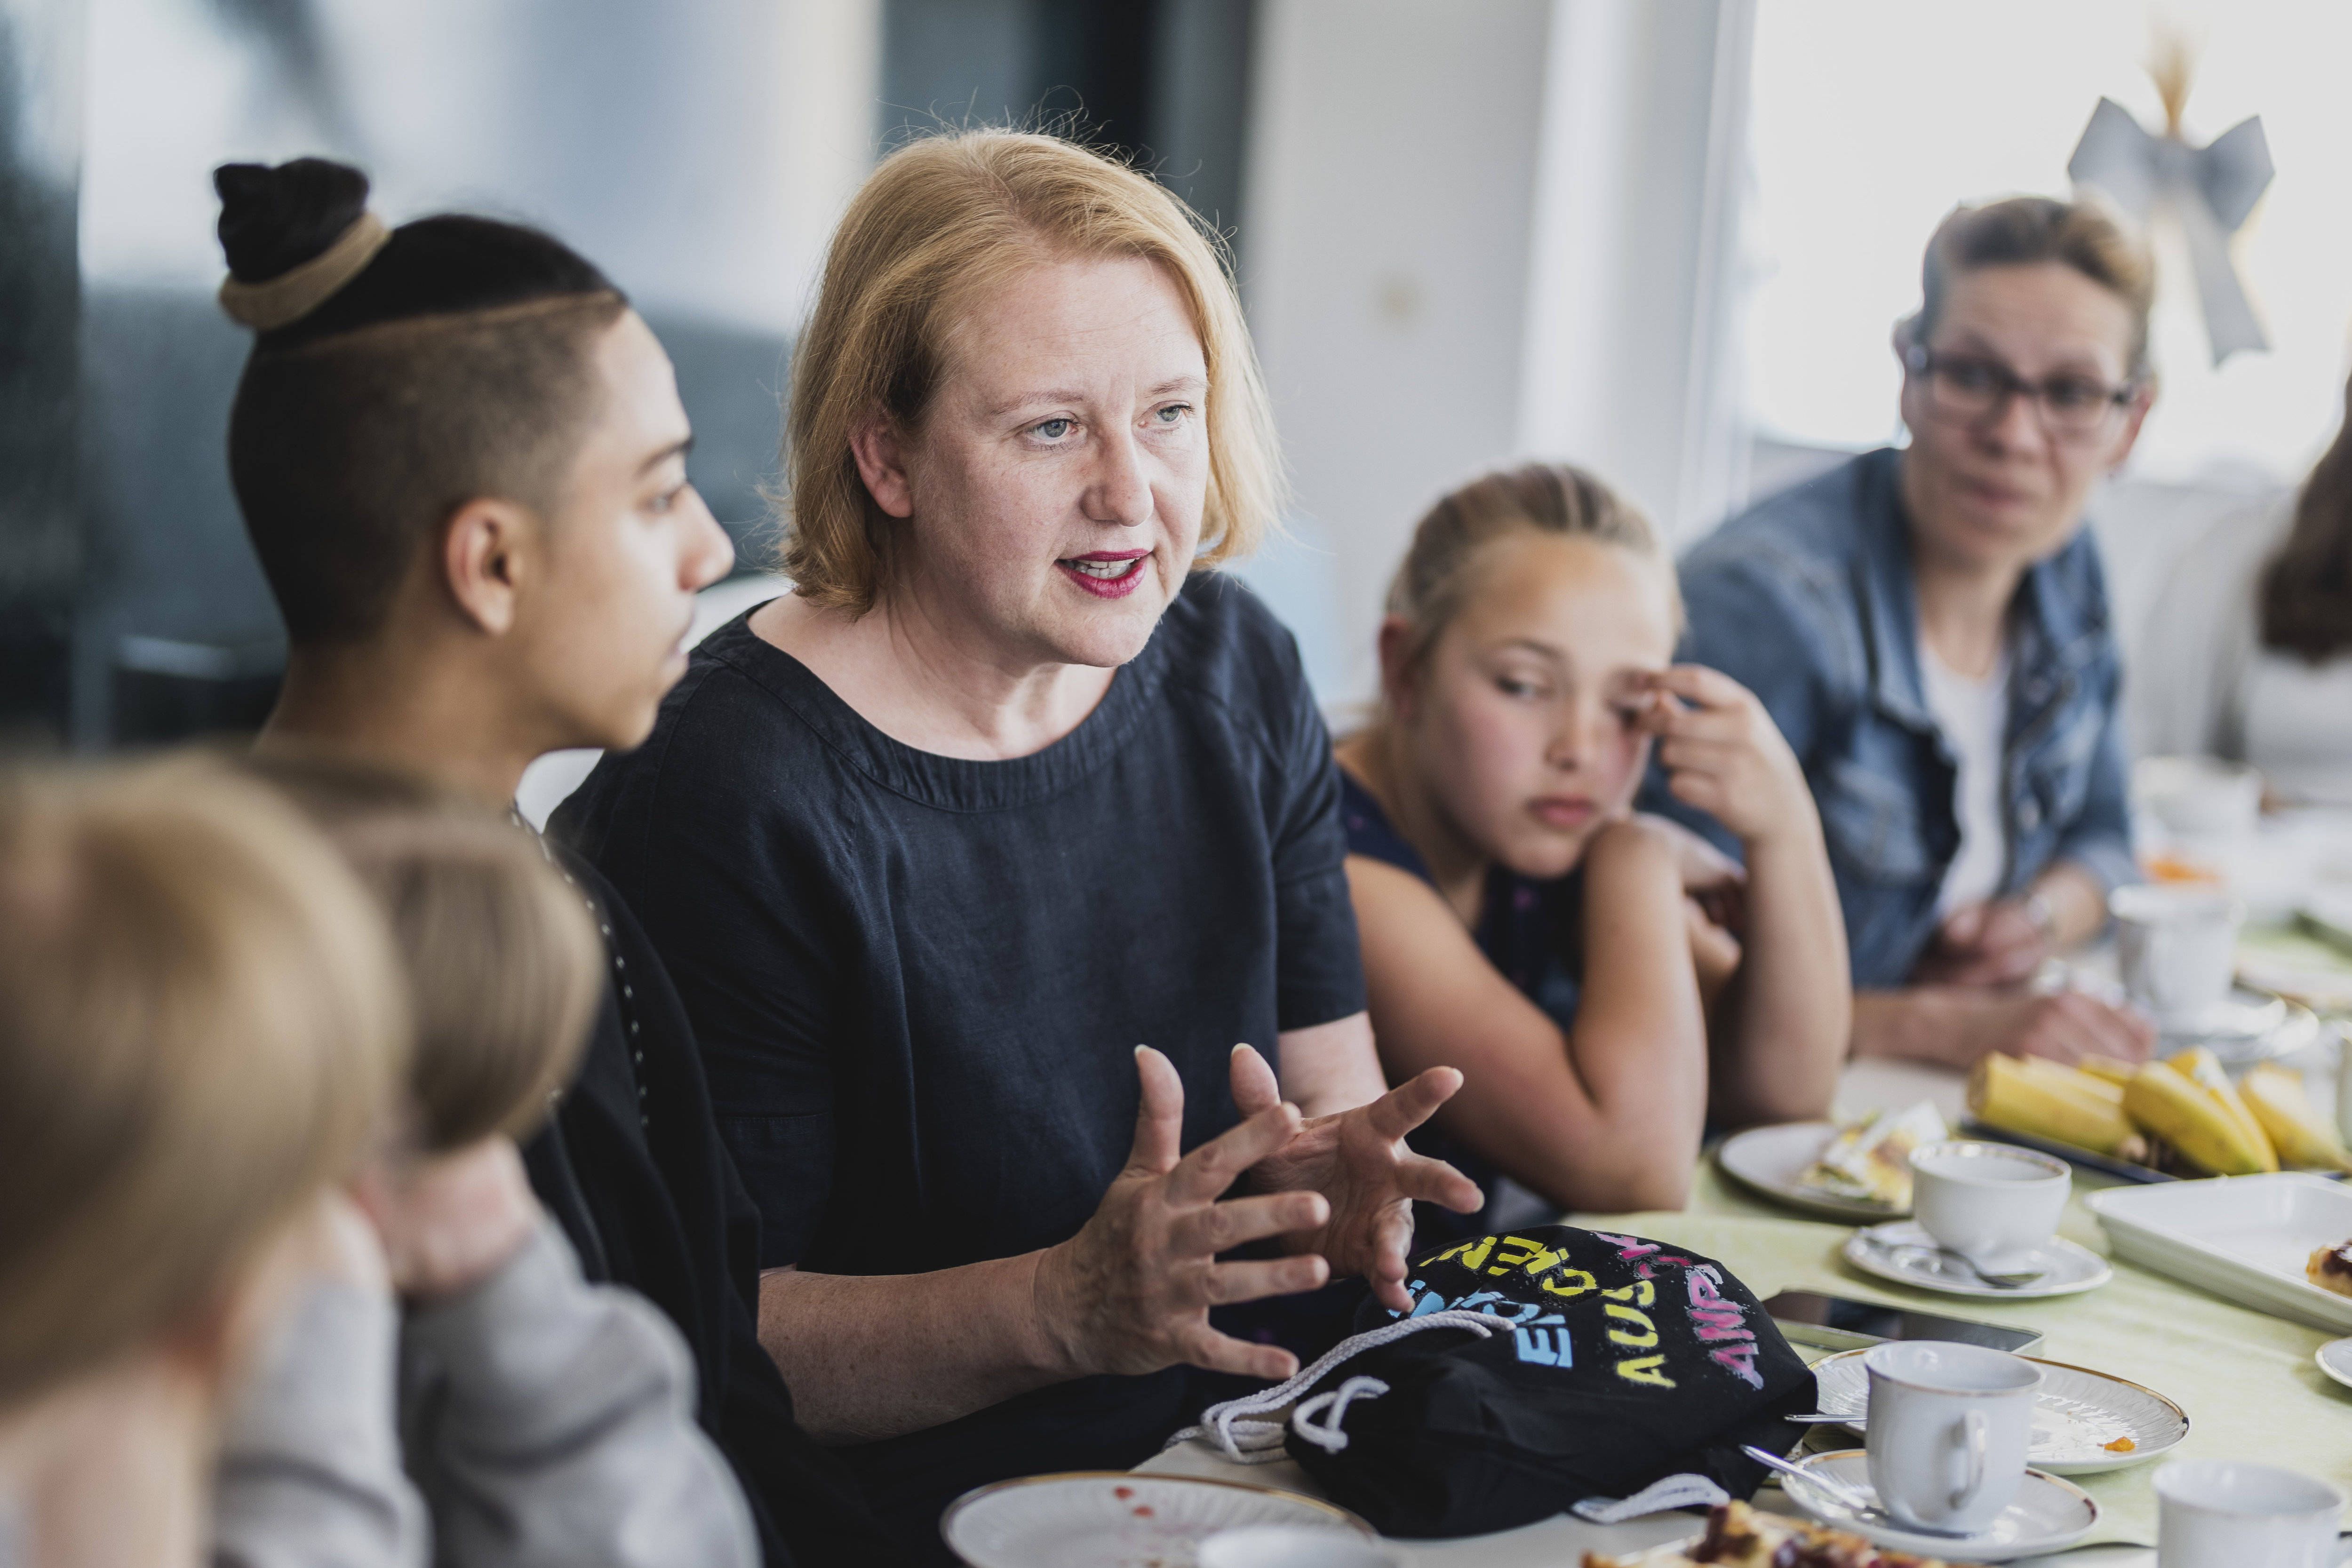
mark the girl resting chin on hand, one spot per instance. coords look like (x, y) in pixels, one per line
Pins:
(1606, 982)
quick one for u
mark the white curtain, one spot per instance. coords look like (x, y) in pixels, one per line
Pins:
(1639, 267)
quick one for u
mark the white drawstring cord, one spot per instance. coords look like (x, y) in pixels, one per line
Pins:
(1248, 1442)
(1328, 1436)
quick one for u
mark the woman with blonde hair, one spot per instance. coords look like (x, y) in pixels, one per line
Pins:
(1010, 782)
(1519, 922)
(201, 1023)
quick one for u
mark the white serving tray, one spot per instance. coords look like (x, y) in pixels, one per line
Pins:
(2245, 1238)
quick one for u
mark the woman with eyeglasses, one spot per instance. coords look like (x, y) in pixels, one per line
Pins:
(1929, 625)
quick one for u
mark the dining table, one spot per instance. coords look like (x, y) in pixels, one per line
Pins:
(2247, 1380)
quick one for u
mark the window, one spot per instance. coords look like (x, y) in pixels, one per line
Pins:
(1872, 120)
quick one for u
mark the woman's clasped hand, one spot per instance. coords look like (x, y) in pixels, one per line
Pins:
(1131, 1292)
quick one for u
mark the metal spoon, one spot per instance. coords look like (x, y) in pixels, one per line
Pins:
(1998, 1281)
(1844, 1496)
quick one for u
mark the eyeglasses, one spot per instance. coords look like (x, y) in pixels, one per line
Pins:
(1970, 390)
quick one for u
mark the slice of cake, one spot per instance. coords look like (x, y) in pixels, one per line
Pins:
(1738, 1536)
(1869, 1161)
(2330, 1268)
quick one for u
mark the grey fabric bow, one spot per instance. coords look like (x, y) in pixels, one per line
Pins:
(2210, 188)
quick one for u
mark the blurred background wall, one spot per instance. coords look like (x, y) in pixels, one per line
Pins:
(41, 529)
(1664, 240)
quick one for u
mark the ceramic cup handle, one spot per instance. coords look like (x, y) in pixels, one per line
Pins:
(1979, 1427)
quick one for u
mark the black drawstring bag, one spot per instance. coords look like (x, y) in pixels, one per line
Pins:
(1536, 1370)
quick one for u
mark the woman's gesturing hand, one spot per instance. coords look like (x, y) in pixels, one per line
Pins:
(1131, 1292)
(1358, 1159)
(1724, 755)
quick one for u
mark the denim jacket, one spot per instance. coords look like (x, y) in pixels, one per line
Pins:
(1808, 599)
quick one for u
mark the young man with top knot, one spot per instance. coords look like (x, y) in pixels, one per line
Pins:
(461, 460)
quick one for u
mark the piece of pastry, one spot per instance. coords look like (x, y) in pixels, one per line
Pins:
(2330, 1268)
(1739, 1536)
(1869, 1161)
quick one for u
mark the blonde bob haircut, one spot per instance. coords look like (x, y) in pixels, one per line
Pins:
(201, 1026)
(944, 221)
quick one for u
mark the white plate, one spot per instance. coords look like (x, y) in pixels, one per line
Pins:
(2077, 1414)
(2049, 1514)
(1905, 1253)
(2335, 1359)
(2244, 1239)
(1115, 1519)
(1768, 1160)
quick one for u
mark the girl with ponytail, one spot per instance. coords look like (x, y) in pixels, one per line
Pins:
(1519, 922)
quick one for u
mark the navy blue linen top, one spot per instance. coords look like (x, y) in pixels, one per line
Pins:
(1809, 600)
(917, 980)
(1527, 930)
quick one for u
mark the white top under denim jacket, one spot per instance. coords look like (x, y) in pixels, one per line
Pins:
(1808, 599)
(1973, 714)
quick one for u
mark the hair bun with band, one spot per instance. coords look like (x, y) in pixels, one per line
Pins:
(294, 234)
(308, 261)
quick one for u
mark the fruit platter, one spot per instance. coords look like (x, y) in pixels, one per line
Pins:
(2156, 1121)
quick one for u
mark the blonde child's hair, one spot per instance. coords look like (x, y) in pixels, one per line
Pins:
(939, 223)
(202, 1025)
(1557, 499)
(504, 968)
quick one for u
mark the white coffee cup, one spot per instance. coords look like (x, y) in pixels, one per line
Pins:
(2228, 1514)
(2177, 948)
(1292, 1546)
(1948, 1429)
(2198, 797)
(2343, 1078)
(1992, 1203)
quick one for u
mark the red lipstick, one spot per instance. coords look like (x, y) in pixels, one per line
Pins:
(1106, 574)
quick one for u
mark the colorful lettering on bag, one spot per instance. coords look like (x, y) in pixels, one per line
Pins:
(1740, 1361)
(1629, 1247)
(1717, 1319)
(1641, 1293)
(1531, 1256)
(1642, 1338)
(1544, 1347)
(1471, 1255)
(1567, 1282)
(1645, 1369)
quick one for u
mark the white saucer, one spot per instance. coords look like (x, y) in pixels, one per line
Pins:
(2077, 1414)
(1768, 1160)
(2245, 1028)
(2243, 1015)
(1115, 1518)
(2335, 1358)
(1905, 1253)
(2048, 1515)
